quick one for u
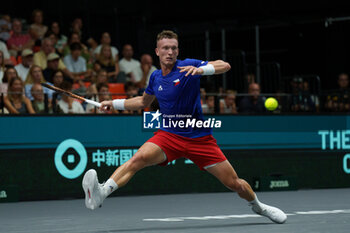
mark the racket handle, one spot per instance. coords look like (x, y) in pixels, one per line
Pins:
(97, 104)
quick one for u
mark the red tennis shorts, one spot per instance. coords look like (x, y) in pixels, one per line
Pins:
(203, 151)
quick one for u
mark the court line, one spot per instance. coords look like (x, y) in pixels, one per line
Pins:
(216, 217)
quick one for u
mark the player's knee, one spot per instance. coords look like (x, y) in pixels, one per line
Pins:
(235, 184)
(138, 161)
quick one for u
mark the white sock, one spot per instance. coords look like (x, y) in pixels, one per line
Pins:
(109, 187)
(256, 203)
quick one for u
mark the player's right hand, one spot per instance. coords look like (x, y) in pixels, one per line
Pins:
(106, 105)
(190, 70)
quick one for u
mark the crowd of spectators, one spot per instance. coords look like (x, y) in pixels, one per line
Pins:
(34, 53)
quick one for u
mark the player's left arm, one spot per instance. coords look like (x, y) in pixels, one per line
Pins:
(213, 67)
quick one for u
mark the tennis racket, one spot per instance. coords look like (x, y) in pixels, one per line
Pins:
(59, 90)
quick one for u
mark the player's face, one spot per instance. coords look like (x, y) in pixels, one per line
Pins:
(167, 50)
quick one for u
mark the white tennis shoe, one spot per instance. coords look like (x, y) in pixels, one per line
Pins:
(94, 195)
(274, 214)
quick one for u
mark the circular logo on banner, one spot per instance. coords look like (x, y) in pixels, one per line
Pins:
(61, 167)
(345, 163)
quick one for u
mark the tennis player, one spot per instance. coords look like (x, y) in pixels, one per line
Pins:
(177, 88)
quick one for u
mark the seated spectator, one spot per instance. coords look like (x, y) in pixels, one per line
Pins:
(103, 94)
(100, 78)
(301, 100)
(57, 78)
(41, 57)
(15, 101)
(145, 70)
(38, 101)
(37, 30)
(91, 42)
(5, 27)
(130, 66)
(35, 76)
(131, 90)
(27, 61)
(339, 100)
(52, 66)
(74, 62)
(68, 104)
(9, 74)
(228, 104)
(61, 39)
(77, 67)
(343, 82)
(209, 106)
(206, 107)
(19, 41)
(52, 36)
(77, 26)
(254, 103)
(75, 38)
(106, 41)
(95, 69)
(107, 62)
(57, 81)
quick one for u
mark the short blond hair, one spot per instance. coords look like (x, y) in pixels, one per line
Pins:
(167, 34)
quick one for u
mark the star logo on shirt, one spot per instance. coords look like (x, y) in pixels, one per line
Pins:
(160, 88)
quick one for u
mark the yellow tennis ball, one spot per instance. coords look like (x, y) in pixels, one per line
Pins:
(271, 104)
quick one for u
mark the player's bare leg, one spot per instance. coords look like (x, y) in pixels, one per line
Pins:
(95, 193)
(227, 175)
(149, 154)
